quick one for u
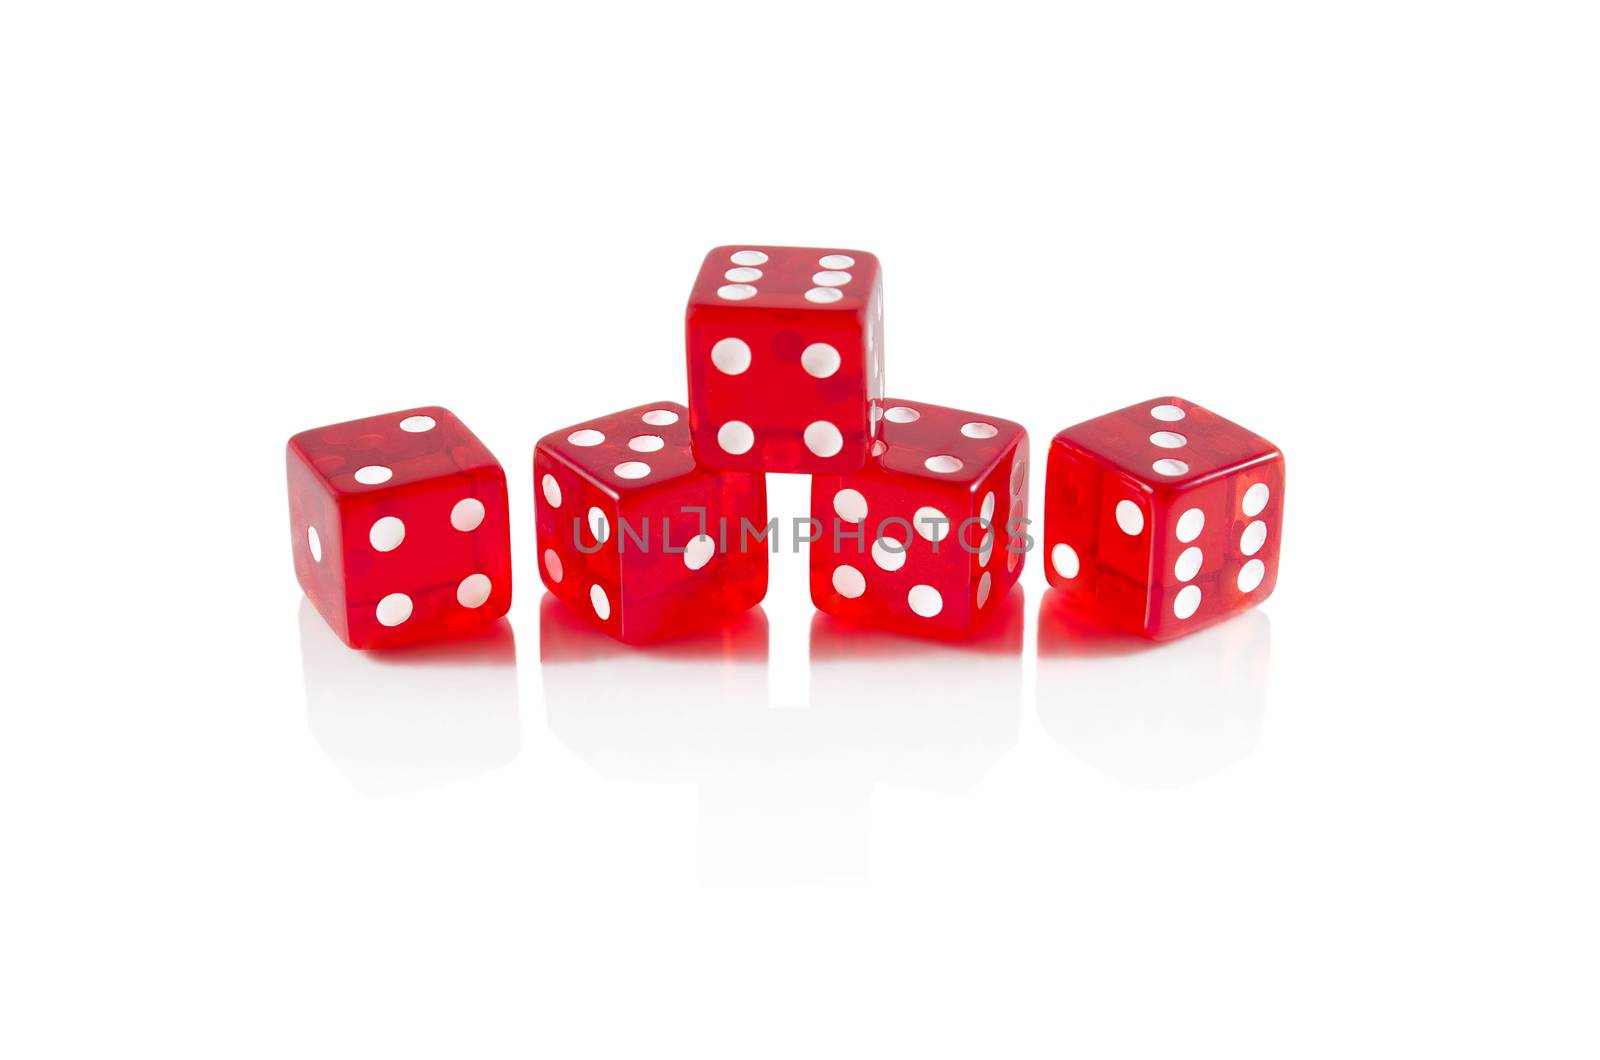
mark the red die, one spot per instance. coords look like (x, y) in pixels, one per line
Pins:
(930, 535)
(637, 537)
(785, 357)
(399, 527)
(1162, 518)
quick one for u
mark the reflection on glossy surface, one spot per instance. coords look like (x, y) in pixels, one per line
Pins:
(933, 714)
(1156, 716)
(784, 792)
(415, 717)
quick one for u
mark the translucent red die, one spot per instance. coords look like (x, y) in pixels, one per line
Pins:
(637, 537)
(1162, 517)
(785, 348)
(931, 534)
(399, 527)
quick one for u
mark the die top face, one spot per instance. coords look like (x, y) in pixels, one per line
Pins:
(942, 445)
(390, 451)
(629, 452)
(801, 278)
(1168, 443)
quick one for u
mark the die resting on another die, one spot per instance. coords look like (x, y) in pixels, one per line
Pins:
(652, 521)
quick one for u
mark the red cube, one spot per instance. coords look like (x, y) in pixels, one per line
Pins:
(785, 349)
(399, 527)
(1162, 517)
(931, 534)
(637, 537)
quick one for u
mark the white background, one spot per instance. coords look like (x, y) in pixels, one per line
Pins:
(1360, 821)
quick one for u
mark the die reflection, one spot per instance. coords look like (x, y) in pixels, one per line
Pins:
(928, 714)
(1153, 715)
(784, 792)
(414, 717)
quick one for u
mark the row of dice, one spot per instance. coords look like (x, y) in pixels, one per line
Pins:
(653, 521)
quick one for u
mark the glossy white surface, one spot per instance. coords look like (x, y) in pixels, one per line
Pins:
(1358, 822)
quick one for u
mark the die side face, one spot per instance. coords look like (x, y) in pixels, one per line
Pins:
(400, 527)
(1162, 552)
(919, 541)
(785, 357)
(637, 538)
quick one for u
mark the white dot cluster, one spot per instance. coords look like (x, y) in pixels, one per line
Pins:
(889, 554)
(1254, 535)
(1167, 465)
(741, 278)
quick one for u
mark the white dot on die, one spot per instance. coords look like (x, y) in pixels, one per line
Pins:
(748, 257)
(742, 275)
(1130, 517)
(631, 469)
(736, 292)
(473, 590)
(925, 600)
(848, 582)
(736, 437)
(314, 543)
(599, 525)
(1188, 564)
(645, 443)
(831, 279)
(986, 509)
(1064, 560)
(823, 438)
(851, 505)
(979, 430)
(394, 609)
(1167, 413)
(387, 533)
(1254, 536)
(836, 261)
(879, 447)
(468, 513)
(1169, 467)
(1250, 575)
(598, 600)
(1255, 499)
(1019, 472)
(943, 464)
(660, 417)
(823, 294)
(552, 490)
(820, 360)
(552, 564)
(1168, 440)
(417, 424)
(901, 414)
(731, 356)
(888, 554)
(698, 552)
(586, 438)
(373, 474)
(1187, 601)
(983, 589)
(1190, 523)
(931, 523)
